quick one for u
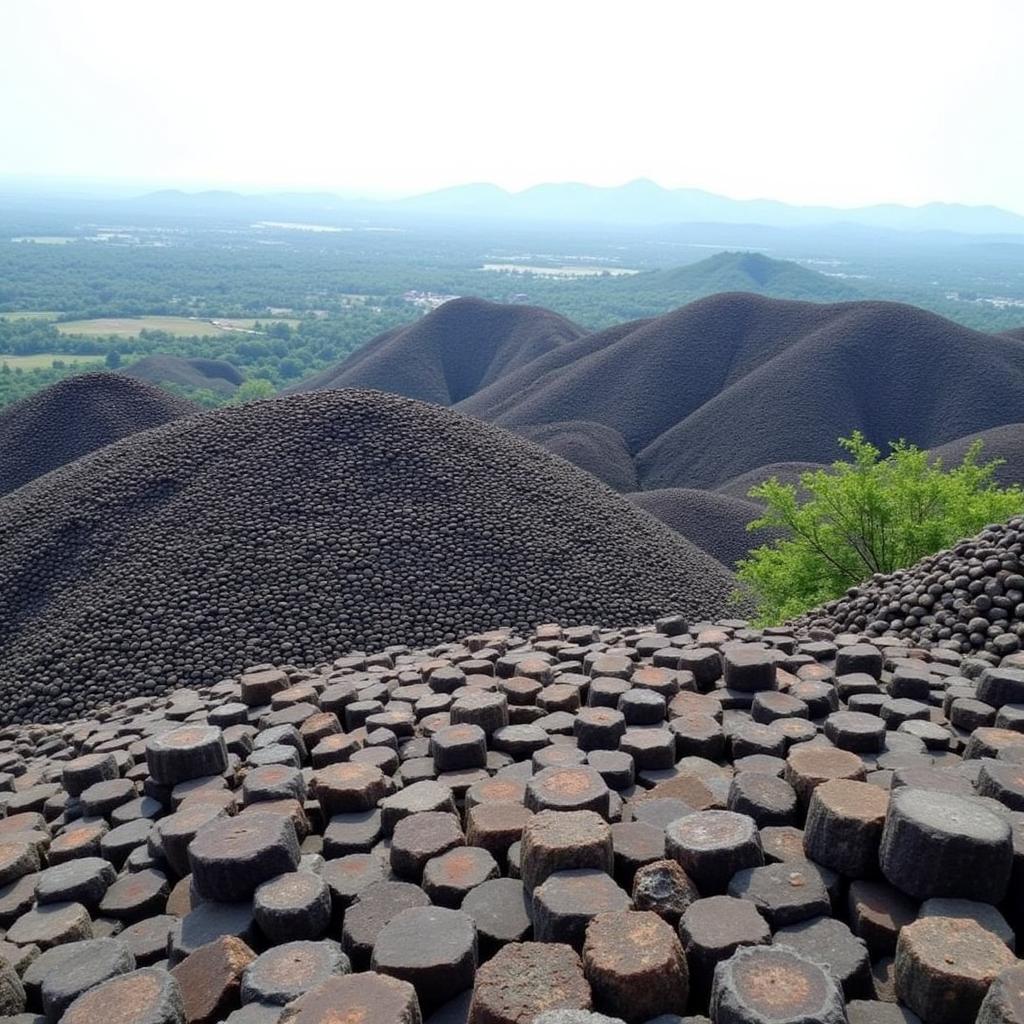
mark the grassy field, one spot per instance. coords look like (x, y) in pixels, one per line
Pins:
(180, 326)
(44, 360)
(33, 315)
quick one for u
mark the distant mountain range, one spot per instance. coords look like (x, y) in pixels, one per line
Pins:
(639, 202)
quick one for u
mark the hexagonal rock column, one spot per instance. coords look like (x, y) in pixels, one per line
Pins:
(186, 753)
(773, 985)
(711, 846)
(577, 788)
(784, 893)
(147, 996)
(526, 979)
(293, 906)
(809, 765)
(844, 826)
(211, 977)
(561, 840)
(749, 668)
(232, 857)
(566, 902)
(937, 844)
(288, 971)
(368, 998)
(431, 948)
(635, 965)
(944, 967)
(344, 788)
(459, 746)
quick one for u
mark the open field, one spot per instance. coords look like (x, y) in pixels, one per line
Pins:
(44, 360)
(45, 239)
(30, 315)
(180, 326)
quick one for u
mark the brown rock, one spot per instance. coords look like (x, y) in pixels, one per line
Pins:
(211, 977)
(635, 965)
(525, 979)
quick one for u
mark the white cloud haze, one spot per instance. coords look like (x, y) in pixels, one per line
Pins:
(802, 101)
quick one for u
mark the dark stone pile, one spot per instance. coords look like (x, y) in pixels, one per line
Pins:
(452, 352)
(968, 598)
(591, 446)
(716, 523)
(571, 827)
(216, 375)
(297, 529)
(76, 416)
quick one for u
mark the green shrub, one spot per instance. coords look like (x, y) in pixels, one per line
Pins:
(863, 516)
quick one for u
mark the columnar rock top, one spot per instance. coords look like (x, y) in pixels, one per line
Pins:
(572, 824)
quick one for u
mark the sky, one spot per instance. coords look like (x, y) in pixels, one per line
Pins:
(808, 102)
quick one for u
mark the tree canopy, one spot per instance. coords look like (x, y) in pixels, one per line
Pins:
(864, 516)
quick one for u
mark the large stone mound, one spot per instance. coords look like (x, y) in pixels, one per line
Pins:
(1005, 443)
(591, 446)
(216, 375)
(295, 529)
(785, 472)
(714, 522)
(449, 354)
(971, 597)
(75, 416)
(737, 381)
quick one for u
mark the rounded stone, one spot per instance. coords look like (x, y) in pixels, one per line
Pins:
(711, 846)
(570, 788)
(524, 980)
(368, 998)
(288, 971)
(420, 837)
(500, 909)
(566, 902)
(293, 906)
(784, 893)
(149, 995)
(375, 906)
(101, 960)
(844, 826)
(808, 766)
(561, 840)
(944, 967)
(936, 844)
(232, 857)
(773, 985)
(432, 948)
(448, 878)
(635, 965)
(664, 888)
(189, 752)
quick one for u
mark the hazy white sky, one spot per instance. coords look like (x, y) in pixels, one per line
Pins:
(823, 101)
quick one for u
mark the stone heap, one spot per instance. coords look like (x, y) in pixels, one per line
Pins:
(667, 823)
(968, 598)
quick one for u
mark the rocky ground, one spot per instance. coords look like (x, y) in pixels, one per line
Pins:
(642, 824)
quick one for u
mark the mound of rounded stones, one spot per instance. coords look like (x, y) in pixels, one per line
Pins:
(76, 416)
(969, 598)
(295, 529)
(655, 825)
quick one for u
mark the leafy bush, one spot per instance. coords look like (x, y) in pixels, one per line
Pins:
(864, 516)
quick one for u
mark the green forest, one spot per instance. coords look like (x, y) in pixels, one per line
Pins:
(318, 296)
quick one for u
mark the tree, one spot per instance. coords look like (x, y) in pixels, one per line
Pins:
(252, 390)
(113, 359)
(864, 516)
